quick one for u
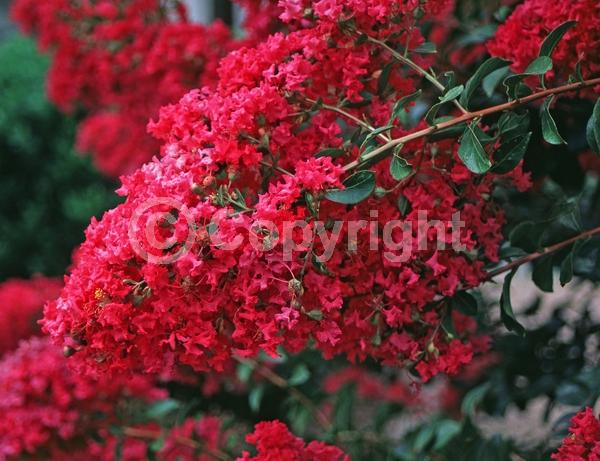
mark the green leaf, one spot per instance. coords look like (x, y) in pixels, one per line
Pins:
(255, 398)
(330, 152)
(543, 273)
(315, 314)
(450, 95)
(244, 371)
(446, 431)
(373, 134)
(554, 37)
(506, 311)
(491, 81)
(465, 303)
(472, 153)
(424, 437)
(402, 204)
(425, 48)
(549, 130)
(552, 40)
(539, 66)
(473, 398)
(399, 168)
(384, 78)
(162, 408)
(300, 375)
(511, 124)
(356, 188)
(489, 66)
(593, 128)
(510, 153)
(402, 103)
(567, 265)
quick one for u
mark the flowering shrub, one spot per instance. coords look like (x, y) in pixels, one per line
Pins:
(49, 410)
(324, 194)
(583, 441)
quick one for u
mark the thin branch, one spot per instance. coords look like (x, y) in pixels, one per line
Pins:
(349, 116)
(545, 251)
(376, 153)
(418, 69)
(146, 434)
(281, 383)
(274, 167)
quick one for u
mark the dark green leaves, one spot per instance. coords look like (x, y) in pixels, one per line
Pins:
(543, 273)
(506, 311)
(471, 151)
(465, 303)
(514, 86)
(425, 48)
(554, 37)
(399, 167)
(330, 152)
(511, 152)
(402, 103)
(593, 129)
(356, 188)
(549, 130)
(489, 66)
(450, 95)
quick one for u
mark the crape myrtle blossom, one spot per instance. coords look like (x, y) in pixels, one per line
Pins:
(583, 441)
(520, 37)
(21, 306)
(271, 107)
(49, 411)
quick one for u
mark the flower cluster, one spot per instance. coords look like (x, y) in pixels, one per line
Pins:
(273, 104)
(520, 37)
(583, 442)
(48, 411)
(274, 441)
(21, 304)
(121, 62)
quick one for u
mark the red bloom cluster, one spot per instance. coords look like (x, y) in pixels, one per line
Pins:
(207, 430)
(275, 442)
(583, 442)
(519, 39)
(121, 61)
(48, 410)
(21, 305)
(122, 310)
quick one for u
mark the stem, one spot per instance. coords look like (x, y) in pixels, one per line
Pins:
(184, 441)
(281, 383)
(548, 250)
(418, 69)
(349, 116)
(274, 167)
(374, 154)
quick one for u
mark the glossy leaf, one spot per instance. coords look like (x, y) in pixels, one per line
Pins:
(356, 188)
(510, 153)
(489, 66)
(549, 129)
(506, 310)
(472, 153)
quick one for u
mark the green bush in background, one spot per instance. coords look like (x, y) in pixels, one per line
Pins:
(48, 193)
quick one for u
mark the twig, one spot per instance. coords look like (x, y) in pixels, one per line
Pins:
(349, 116)
(414, 66)
(281, 383)
(548, 250)
(374, 154)
(187, 442)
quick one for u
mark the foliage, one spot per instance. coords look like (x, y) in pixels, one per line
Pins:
(333, 112)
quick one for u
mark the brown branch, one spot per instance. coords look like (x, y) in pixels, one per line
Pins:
(533, 256)
(281, 383)
(146, 434)
(376, 153)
